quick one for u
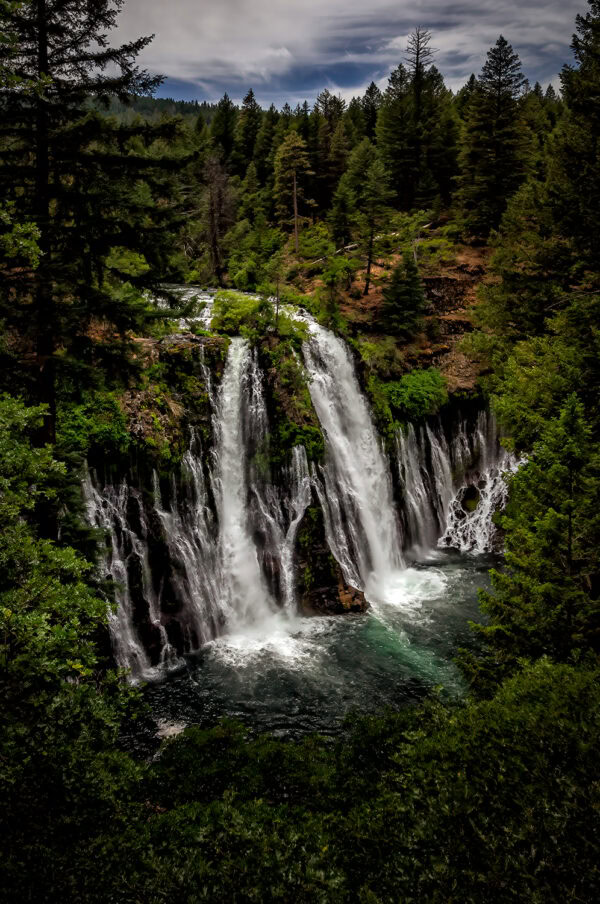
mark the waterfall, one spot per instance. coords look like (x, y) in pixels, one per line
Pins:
(209, 551)
(185, 560)
(278, 514)
(452, 486)
(356, 489)
(125, 561)
(418, 490)
(188, 530)
(245, 596)
(474, 530)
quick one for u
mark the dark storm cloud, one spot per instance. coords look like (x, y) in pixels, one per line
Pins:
(290, 49)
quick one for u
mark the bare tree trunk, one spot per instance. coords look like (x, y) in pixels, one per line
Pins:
(277, 309)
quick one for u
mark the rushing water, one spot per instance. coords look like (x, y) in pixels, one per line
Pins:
(308, 679)
(205, 565)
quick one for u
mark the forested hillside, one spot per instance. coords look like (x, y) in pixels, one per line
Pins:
(452, 241)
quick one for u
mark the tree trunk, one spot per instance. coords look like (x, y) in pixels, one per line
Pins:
(295, 215)
(213, 226)
(369, 261)
(44, 299)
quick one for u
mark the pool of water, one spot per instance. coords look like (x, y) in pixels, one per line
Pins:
(291, 676)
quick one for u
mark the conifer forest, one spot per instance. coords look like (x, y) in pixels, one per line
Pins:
(299, 470)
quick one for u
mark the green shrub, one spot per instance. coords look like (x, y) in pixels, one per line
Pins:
(418, 393)
(97, 423)
(237, 314)
(315, 243)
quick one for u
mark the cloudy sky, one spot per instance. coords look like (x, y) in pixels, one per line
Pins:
(291, 49)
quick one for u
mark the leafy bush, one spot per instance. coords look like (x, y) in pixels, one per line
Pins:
(97, 423)
(237, 314)
(417, 394)
(315, 243)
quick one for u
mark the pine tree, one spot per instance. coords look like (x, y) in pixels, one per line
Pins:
(416, 129)
(541, 603)
(248, 125)
(404, 300)
(342, 216)
(264, 149)
(218, 212)
(574, 163)
(222, 127)
(291, 171)
(88, 183)
(464, 96)
(355, 121)
(393, 126)
(361, 158)
(371, 103)
(373, 213)
(330, 106)
(338, 156)
(493, 157)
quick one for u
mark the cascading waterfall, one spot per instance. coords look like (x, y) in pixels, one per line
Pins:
(210, 552)
(188, 529)
(245, 595)
(278, 514)
(473, 530)
(451, 488)
(126, 562)
(356, 493)
(208, 578)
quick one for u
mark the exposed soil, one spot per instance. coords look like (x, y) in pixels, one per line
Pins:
(451, 294)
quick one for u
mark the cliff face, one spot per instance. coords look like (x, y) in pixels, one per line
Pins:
(320, 585)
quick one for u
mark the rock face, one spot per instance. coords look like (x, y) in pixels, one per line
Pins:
(320, 585)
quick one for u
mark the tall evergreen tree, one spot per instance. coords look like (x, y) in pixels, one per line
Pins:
(87, 183)
(373, 213)
(574, 158)
(218, 212)
(292, 168)
(222, 127)
(416, 129)
(371, 103)
(264, 149)
(342, 216)
(404, 300)
(248, 124)
(493, 156)
(355, 120)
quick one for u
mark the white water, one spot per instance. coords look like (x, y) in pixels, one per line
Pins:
(356, 489)
(279, 515)
(230, 533)
(188, 529)
(437, 478)
(245, 596)
(109, 512)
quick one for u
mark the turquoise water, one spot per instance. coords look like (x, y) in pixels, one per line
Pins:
(291, 677)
